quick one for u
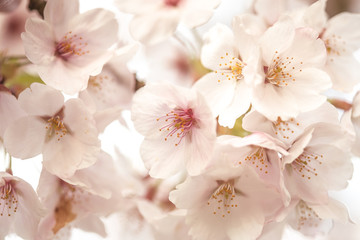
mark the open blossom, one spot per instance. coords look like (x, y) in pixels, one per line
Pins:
(290, 81)
(225, 202)
(79, 201)
(341, 38)
(161, 17)
(288, 131)
(260, 152)
(68, 47)
(312, 219)
(178, 127)
(318, 161)
(20, 208)
(64, 133)
(234, 58)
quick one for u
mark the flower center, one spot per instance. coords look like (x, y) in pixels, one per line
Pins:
(55, 127)
(69, 46)
(230, 68)
(306, 163)
(280, 72)
(307, 217)
(172, 3)
(257, 159)
(223, 199)
(284, 129)
(8, 200)
(178, 122)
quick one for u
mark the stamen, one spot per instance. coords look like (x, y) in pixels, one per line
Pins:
(257, 159)
(284, 129)
(71, 45)
(231, 68)
(306, 216)
(223, 199)
(281, 70)
(305, 165)
(8, 200)
(55, 127)
(179, 122)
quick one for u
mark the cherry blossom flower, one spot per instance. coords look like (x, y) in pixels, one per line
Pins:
(169, 61)
(178, 127)
(263, 154)
(64, 132)
(288, 131)
(225, 202)
(234, 58)
(318, 161)
(341, 43)
(68, 47)
(291, 80)
(79, 201)
(109, 93)
(312, 219)
(20, 208)
(163, 16)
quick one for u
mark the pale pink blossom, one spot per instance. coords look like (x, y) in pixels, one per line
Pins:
(80, 200)
(67, 47)
(234, 58)
(260, 152)
(110, 92)
(288, 131)
(291, 80)
(178, 127)
(341, 37)
(20, 208)
(226, 202)
(157, 20)
(318, 161)
(314, 219)
(65, 133)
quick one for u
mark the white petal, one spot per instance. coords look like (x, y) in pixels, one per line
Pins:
(92, 223)
(58, 12)
(336, 26)
(238, 106)
(343, 71)
(62, 77)
(41, 100)
(25, 137)
(150, 28)
(196, 13)
(80, 122)
(218, 94)
(39, 43)
(29, 211)
(9, 110)
(277, 38)
(166, 161)
(218, 41)
(333, 210)
(315, 16)
(63, 157)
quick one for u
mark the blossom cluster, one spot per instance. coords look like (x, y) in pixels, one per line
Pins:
(240, 139)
